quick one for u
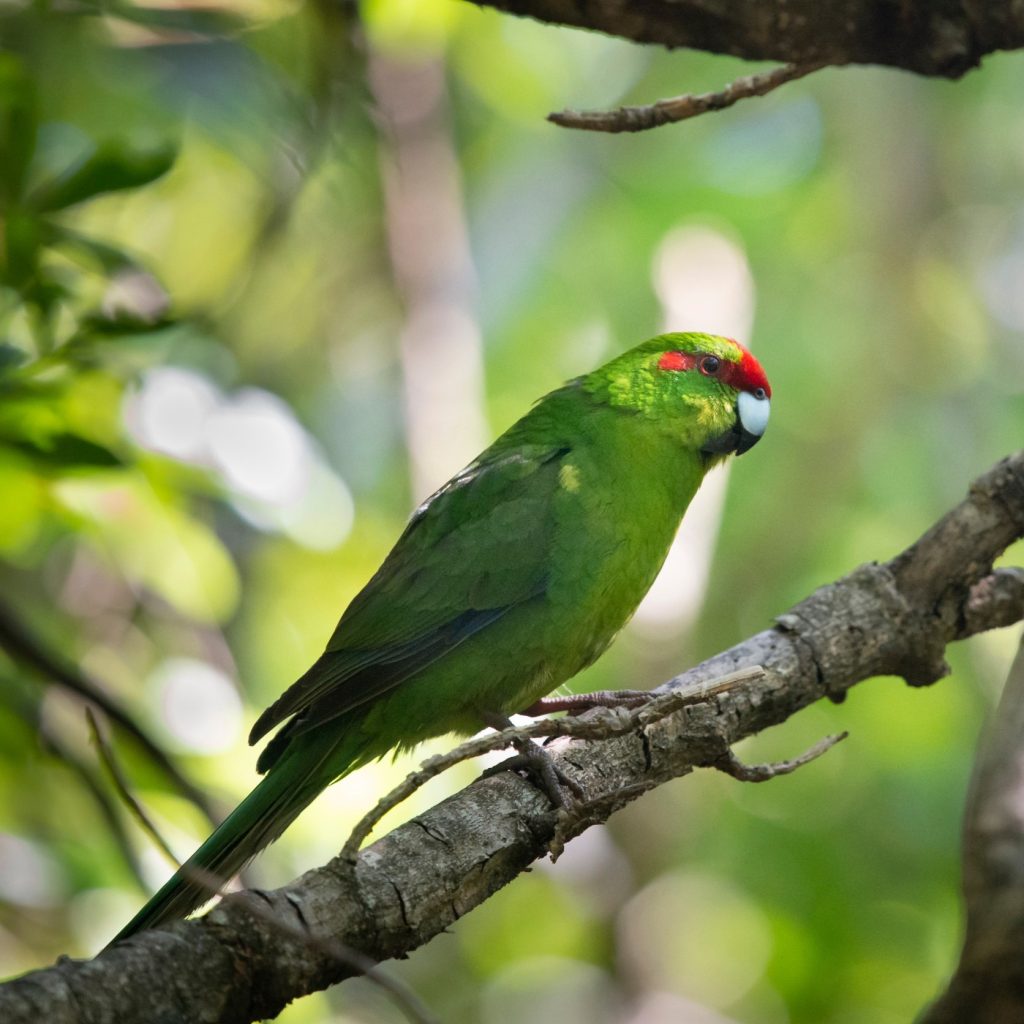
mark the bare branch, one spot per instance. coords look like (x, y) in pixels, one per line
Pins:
(232, 965)
(989, 981)
(946, 39)
(680, 108)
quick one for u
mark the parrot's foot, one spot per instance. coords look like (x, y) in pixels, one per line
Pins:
(577, 702)
(535, 761)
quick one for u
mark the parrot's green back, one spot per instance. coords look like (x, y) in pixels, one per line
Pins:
(508, 581)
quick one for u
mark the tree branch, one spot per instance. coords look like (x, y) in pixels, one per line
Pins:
(233, 965)
(681, 108)
(930, 37)
(989, 981)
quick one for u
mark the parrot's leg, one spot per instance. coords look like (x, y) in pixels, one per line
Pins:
(577, 702)
(536, 762)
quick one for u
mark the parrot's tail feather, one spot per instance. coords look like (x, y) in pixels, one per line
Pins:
(255, 823)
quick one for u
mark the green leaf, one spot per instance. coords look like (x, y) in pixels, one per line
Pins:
(22, 238)
(23, 505)
(113, 166)
(11, 357)
(89, 251)
(155, 542)
(121, 344)
(130, 326)
(68, 451)
(17, 127)
(203, 21)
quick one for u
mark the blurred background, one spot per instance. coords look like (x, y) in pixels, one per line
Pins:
(271, 272)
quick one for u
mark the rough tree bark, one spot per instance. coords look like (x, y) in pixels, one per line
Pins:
(988, 984)
(236, 965)
(930, 37)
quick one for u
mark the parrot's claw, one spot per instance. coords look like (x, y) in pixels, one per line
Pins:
(579, 702)
(536, 762)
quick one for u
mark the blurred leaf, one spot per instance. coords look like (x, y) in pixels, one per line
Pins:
(91, 251)
(113, 166)
(123, 326)
(22, 239)
(11, 357)
(63, 419)
(156, 543)
(125, 345)
(17, 127)
(45, 291)
(22, 505)
(203, 21)
(68, 451)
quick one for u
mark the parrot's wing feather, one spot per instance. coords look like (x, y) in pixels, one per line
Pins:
(472, 551)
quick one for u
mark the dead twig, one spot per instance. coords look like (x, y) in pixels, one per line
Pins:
(578, 818)
(122, 789)
(681, 108)
(730, 764)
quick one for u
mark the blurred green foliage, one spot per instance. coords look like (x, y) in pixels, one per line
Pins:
(222, 231)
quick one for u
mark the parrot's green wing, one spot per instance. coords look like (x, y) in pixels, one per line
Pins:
(477, 548)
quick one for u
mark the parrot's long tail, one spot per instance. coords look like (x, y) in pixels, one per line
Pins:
(255, 823)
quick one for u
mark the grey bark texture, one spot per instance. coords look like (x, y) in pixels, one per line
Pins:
(257, 951)
(929, 37)
(988, 984)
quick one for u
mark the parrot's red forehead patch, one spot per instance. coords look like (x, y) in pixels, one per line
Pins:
(746, 374)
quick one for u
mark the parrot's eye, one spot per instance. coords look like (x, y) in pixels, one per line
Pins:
(710, 365)
(760, 394)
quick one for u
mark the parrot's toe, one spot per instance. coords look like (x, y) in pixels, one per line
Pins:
(536, 763)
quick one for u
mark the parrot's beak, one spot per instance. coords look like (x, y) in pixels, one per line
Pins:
(749, 427)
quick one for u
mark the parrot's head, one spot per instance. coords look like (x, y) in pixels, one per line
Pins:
(709, 391)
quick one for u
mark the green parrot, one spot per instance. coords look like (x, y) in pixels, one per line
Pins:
(507, 581)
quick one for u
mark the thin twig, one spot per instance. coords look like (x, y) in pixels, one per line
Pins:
(54, 743)
(575, 819)
(123, 791)
(680, 108)
(730, 764)
(598, 724)
(24, 647)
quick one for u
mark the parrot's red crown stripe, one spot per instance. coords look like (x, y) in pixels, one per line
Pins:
(745, 375)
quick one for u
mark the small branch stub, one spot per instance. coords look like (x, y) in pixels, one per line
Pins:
(732, 765)
(681, 108)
